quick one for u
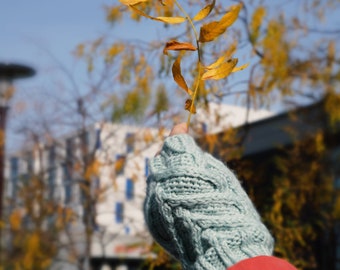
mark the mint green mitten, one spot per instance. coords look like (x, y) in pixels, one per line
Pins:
(197, 210)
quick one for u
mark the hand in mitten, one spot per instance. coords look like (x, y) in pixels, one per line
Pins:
(197, 210)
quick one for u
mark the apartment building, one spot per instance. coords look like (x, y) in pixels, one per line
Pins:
(112, 162)
(107, 163)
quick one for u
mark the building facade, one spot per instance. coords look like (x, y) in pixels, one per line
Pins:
(107, 163)
(96, 179)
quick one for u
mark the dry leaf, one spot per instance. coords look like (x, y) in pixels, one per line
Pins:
(223, 58)
(221, 71)
(119, 164)
(177, 74)
(132, 2)
(174, 45)
(189, 106)
(219, 62)
(15, 220)
(92, 169)
(235, 69)
(231, 16)
(210, 31)
(171, 20)
(203, 13)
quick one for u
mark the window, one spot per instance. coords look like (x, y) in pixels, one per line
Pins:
(51, 170)
(120, 164)
(29, 162)
(98, 144)
(14, 173)
(51, 156)
(51, 181)
(67, 170)
(29, 170)
(146, 166)
(69, 150)
(130, 141)
(129, 189)
(119, 212)
(204, 128)
(67, 184)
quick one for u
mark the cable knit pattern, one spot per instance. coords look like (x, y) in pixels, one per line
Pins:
(197, 210)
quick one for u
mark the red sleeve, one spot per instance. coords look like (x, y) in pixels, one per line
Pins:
(263, 263)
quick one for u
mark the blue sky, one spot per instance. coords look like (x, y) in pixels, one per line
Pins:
(28, 26)
(31, 30)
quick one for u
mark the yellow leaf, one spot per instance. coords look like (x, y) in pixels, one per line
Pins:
(256, 22)
(33, 246)
(177, 74)
(141, 12)
(113, 51)
(221, 71)
(119, 164)
(15, 220)
(148, 137)
(161, 132)
(171, 20)
(211, 140)
(79, 52)
(113, 13)
(223, 59)
(212, 30)
(92, 170)
(331, 50)
(132, 2)
(203, 13)
(174, 45)
(230, 17)
(189, 106)
(235, 69)
(219, 61)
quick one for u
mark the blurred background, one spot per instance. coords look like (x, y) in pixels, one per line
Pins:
(88, 96)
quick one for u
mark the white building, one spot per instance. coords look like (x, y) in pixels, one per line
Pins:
(116, 176)
(116, 172)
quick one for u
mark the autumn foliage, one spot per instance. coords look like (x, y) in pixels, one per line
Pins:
(285, 68)
(219, 69)
(288, 52)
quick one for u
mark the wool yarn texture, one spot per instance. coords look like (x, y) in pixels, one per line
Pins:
(196, 208)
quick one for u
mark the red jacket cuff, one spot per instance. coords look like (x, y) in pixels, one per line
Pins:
(263, 263)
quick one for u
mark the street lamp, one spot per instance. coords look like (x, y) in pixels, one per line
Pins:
(8, 73)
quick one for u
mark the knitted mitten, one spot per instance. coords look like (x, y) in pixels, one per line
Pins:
(197, 210)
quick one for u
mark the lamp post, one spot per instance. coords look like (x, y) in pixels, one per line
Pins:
(8, 73)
